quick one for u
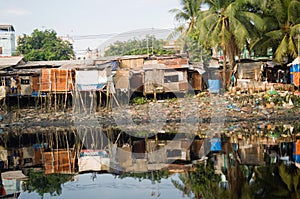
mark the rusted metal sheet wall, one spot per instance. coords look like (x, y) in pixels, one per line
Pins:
(197, 81)
(58, 80)
(35, 83)
(59, 162)
(174, 62)
(131, 63)
(45, 84)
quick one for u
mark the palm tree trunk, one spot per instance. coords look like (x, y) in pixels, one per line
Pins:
(224, 69)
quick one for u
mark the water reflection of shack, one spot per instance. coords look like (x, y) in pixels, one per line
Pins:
(12, 181)
(3, 157)
(151, 154)
(168, 151)
(59, 161)
(251, 154)
(93, 160)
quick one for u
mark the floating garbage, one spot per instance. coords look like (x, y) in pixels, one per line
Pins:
(233, 107)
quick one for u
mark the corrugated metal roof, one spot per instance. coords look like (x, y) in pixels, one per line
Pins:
(114, 58)
(6, 62)
(163, 66)
(64, 64)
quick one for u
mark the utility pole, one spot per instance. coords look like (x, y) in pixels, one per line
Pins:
(152, 44)
(147, 45)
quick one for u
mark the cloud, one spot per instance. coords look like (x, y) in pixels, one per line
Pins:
(17, 12)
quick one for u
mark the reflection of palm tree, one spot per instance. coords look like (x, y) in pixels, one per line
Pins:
(277, 182)
(187, 186)
(203, 183)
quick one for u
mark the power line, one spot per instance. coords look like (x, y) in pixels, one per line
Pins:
(121, 35)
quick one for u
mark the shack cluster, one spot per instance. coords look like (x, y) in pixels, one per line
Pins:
(120, 77)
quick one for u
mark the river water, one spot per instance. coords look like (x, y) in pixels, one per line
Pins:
(243, 160)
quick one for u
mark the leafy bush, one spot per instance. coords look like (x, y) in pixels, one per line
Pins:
(139, 100)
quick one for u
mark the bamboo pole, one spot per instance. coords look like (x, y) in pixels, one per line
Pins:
(100, 100)
(92, 101)
(107, 96)
(66, 90)
(82, 102)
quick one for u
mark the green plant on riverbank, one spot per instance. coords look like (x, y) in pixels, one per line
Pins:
(139, 100)
(170, 100)
(296, 100)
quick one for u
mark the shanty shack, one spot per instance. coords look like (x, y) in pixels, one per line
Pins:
(166, 75)
(195, 77)
(132, 61)
(129, 80)
(56, 80)
(91, 79)
(47, 76)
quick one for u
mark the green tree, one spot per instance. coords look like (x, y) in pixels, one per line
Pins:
(148, 46)
(283, 25)
(44, 46)
(42, 183)
(228, 24)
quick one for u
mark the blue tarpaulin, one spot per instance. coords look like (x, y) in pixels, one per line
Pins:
(215, 144)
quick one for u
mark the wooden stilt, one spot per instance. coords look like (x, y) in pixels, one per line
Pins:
(91, 97)
(100, 100)
(107, 96)
(83, 106)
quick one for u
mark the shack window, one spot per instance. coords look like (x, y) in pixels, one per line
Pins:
(25, 81)
(171, 78)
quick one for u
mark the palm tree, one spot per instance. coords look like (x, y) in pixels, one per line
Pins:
(187, 17)
(283, 25)
(188, 14)
(228, 24)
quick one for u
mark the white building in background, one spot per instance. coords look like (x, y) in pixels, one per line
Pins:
(7, 40)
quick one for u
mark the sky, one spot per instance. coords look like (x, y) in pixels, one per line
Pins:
(87, 17)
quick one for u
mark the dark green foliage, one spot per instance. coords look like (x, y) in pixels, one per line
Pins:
(138, 47)
(139, 100)
(276, 181)
(154, 176)
(202, 183)
(44, 46)
(42, 184)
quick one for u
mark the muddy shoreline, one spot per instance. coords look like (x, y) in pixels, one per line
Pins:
(167, 114)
